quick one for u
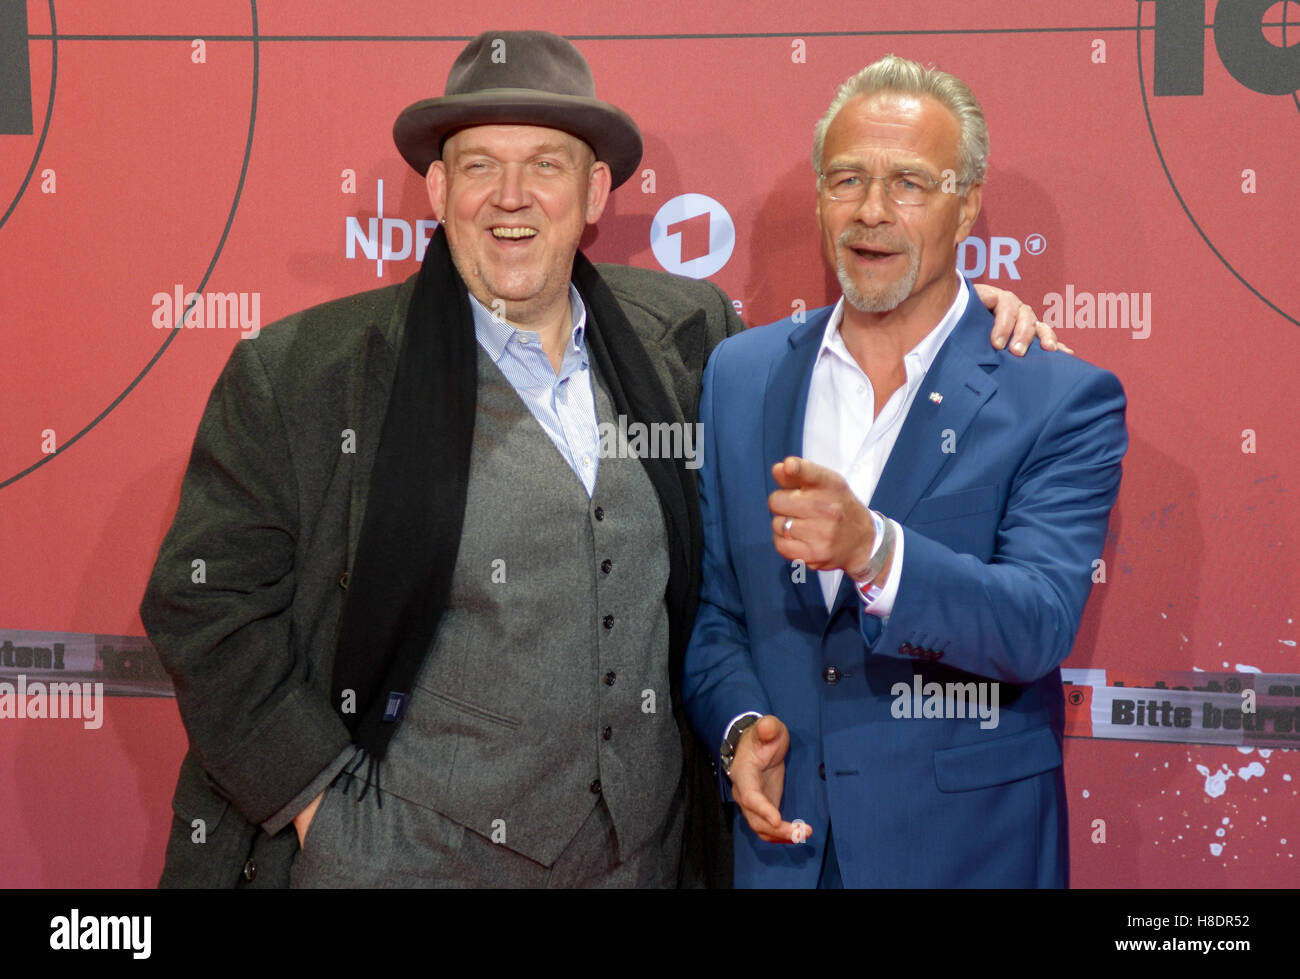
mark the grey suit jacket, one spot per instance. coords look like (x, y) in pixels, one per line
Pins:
(244, 602)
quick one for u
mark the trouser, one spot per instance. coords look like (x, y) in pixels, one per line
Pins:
(353, 842)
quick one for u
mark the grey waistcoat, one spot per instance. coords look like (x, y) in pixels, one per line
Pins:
(547, 682)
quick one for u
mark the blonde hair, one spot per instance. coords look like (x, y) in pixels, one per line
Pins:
(894, 74)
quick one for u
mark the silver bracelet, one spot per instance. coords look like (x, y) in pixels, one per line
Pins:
(880, 555)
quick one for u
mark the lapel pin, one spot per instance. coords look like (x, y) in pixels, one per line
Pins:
(936, 397)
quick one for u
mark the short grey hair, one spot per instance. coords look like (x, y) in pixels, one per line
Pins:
(894, 74)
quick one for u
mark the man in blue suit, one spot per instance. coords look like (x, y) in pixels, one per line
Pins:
(881, 683)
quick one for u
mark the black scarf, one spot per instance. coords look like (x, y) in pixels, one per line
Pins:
(401, 579)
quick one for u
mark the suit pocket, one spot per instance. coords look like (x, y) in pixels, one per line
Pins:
(465, 707)
(316, 828)
(209, 839)
(987, 763)
(965, 503)
(317, 860)
(198, 797)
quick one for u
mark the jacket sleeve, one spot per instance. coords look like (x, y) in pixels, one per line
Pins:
(1014, 618)
(719, 681)
(217, 606)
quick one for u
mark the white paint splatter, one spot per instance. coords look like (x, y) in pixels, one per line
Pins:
(1217, 783)
(1254, 768)
(1243, 668)
(1085, 793)
(1245, 749)
(1265, 752)
(1287, 642)
(1220, 832)
(1216, 848)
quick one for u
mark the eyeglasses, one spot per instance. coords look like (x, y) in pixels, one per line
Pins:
(849, 186)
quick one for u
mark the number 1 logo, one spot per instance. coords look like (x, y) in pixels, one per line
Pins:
(692, 235)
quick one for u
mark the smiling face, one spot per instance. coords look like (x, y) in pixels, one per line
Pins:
(514, 201)
(886, 255)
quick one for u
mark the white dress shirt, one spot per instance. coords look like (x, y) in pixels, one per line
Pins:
(842, 432)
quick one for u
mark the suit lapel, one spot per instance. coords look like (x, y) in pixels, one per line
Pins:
(932, 431)
(959, 377)
(785, 405)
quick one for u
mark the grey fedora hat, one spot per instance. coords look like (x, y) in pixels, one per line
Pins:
(527, 77)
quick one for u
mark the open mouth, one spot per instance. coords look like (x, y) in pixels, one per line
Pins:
(871, 253)
(513, 234)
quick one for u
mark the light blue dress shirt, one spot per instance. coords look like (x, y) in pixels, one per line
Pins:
(563, 402)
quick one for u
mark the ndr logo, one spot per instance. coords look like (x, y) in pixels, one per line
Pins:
(387, 239)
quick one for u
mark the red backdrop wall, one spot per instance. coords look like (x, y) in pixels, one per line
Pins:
(153, 162)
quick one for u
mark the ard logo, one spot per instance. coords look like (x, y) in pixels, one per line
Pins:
(692, 235)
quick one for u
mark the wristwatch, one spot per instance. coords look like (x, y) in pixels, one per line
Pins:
(729, 743)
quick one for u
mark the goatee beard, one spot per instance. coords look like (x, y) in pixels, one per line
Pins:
(885, 296)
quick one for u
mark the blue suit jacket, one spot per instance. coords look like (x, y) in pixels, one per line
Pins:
(1003, 489)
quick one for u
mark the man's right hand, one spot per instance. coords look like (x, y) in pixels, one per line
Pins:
(758, 778)
(304, 818)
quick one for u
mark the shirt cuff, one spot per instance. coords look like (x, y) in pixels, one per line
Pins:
(883, 604)
(317, 785)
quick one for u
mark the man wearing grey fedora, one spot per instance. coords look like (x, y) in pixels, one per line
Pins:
(438, 634)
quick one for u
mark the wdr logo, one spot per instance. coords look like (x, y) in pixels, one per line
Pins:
(692, 235)
(996, 256)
